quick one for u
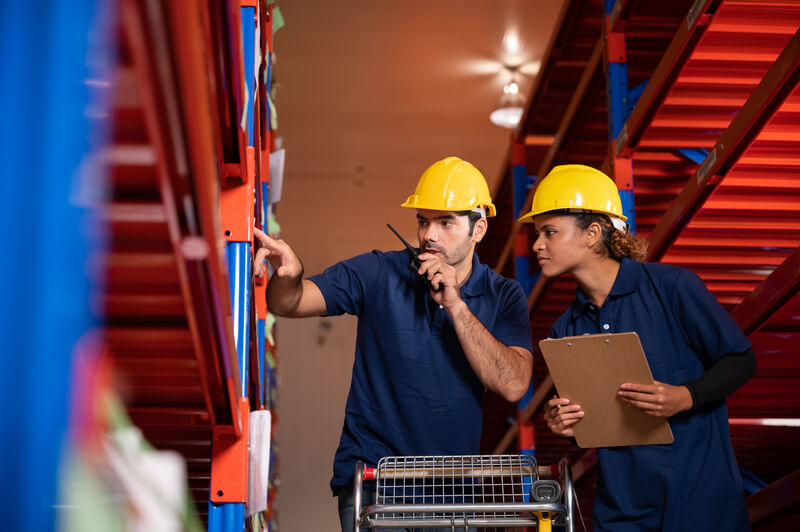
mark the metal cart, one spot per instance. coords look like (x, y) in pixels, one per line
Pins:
(446, 492)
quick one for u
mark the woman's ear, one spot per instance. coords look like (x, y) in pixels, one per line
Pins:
(592, 234)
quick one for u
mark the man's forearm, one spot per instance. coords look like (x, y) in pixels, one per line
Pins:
(284, 294)
(500, 368)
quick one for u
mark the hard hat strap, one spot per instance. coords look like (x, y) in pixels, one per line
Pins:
(481, 211)
(619, 224)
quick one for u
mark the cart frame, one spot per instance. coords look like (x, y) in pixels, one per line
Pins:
(515, 513)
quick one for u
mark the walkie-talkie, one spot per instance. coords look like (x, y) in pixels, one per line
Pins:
(415, 263)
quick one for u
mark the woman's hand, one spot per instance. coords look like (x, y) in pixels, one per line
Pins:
(560, 416)
(658, 399)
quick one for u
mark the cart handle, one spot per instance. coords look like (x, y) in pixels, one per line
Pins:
(371, 473)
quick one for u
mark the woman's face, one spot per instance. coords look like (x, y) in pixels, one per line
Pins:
(560, 244)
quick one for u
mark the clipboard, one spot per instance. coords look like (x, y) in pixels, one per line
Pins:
(588, 371)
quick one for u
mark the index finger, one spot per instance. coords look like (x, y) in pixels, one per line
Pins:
(427, 256)
(428, 261)
(636, 387)
(557, 401)
(264, 238)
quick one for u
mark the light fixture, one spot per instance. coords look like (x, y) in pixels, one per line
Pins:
(509, 109)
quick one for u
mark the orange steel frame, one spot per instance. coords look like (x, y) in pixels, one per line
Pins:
(203, 282)
(193, 101)
(771, 294)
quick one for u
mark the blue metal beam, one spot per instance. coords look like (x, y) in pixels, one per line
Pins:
(617, 97)
(750, 482)
(696, 155)
(634, 94)
(238, 258)
(262, 362)
(225, 517)
(248, 44)
(46, 59)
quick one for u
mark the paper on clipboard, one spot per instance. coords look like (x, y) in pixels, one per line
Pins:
(588, 371)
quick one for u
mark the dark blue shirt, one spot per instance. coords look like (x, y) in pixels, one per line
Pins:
(693, 483)
(413, 391)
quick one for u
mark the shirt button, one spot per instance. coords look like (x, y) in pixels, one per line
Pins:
(606, 326)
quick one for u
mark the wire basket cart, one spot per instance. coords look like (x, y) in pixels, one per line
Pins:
(463, 492)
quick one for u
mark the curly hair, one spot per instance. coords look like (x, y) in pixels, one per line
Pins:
(616, 244)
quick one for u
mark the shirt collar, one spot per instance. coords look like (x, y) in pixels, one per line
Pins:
(624, 284)
(627, 278)
(476, 283)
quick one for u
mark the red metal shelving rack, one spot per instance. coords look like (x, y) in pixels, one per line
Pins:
(712, 145)
(189, 156)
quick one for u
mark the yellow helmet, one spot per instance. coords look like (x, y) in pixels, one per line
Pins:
(575, 186)
(451, 185)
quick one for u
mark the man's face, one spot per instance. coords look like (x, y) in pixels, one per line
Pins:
(560, 244)
(446, 234)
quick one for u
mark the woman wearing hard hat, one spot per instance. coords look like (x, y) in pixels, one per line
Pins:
(696, 352)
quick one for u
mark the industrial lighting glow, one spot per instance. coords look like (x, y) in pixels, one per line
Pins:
(509, 109)
(511, 42)
(508, 117)
(766, 421)
(511, 88)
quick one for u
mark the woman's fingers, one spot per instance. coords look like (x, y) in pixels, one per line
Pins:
(560, 415)
(658, 399)
(639, 397)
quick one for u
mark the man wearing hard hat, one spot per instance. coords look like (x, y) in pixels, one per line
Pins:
(429, 341)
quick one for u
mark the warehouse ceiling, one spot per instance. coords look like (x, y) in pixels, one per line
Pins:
(370, 93)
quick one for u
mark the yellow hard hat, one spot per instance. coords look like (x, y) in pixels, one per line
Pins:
(575, 186)
(451, 185)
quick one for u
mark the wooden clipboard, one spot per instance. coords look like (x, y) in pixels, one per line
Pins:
(588, 371)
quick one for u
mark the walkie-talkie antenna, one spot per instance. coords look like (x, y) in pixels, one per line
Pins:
(403, 240)
(415, 263)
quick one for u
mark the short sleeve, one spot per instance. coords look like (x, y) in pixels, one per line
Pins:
(709, 328)
(345, 284)
(513, 327)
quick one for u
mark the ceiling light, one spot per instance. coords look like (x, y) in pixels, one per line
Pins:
(509, 109)
(511, 42)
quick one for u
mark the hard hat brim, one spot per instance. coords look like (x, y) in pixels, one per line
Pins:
(529, 216)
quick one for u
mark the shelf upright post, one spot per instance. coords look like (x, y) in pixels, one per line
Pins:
(616, 70)
(229, 461)
(51, 61)
(263, 148)
(522, 247)
(522, 253)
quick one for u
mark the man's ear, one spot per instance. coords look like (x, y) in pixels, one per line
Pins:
(479, 231)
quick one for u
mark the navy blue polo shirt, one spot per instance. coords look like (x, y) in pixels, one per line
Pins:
(413, 391)
(693, 483)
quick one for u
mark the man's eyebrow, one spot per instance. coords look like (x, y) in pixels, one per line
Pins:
(441, 217)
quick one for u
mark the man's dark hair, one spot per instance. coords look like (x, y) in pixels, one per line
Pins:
(473, 218)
